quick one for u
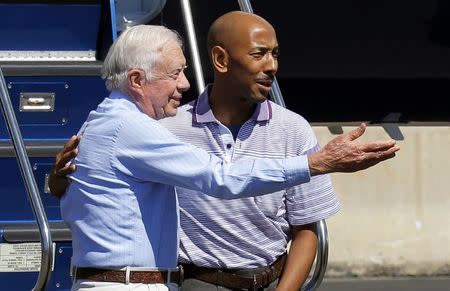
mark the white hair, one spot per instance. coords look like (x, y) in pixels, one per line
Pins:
(138, 47)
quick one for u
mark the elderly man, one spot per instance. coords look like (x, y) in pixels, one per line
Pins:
(121, 205)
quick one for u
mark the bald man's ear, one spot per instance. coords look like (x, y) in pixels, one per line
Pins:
(219, 58)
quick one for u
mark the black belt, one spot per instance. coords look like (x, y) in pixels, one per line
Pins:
(230, 278)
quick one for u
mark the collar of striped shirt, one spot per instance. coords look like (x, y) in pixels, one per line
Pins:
(203, 113)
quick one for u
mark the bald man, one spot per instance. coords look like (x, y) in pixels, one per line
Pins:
(225, 243)
(241, 244)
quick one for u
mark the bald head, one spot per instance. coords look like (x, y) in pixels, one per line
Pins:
(233, 27)
(243, 50)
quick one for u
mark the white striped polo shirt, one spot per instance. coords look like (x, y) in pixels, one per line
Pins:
(248, 232)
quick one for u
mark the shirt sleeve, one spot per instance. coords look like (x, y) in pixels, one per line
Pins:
(313, 201)
(147, 151)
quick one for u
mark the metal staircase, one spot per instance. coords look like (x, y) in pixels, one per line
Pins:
(31, 187)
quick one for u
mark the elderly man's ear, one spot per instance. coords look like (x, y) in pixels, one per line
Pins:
(135, 78)
(219, 57)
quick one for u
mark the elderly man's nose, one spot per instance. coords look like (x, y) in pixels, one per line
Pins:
(183, 84)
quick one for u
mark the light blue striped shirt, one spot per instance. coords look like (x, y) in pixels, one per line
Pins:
(122, 207)
(247, 232)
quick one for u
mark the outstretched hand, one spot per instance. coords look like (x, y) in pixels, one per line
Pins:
(58, 181)
(344, 154)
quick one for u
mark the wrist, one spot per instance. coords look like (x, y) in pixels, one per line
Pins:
(316, 164)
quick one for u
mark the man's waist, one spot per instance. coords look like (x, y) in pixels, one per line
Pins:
(240, 255)
(129, 275)
(245, 278)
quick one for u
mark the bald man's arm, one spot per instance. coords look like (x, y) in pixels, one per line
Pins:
(300, 259)
(58, 181)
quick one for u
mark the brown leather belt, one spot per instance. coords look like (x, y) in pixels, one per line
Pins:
(230, 278)
(119, 276)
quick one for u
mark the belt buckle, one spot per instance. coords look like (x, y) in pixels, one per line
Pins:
(127, 275)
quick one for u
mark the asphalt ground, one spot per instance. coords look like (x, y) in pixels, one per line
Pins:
(387, 284)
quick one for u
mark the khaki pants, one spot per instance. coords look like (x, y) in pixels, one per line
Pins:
(87, 285)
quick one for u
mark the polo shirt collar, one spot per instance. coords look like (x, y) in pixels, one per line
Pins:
(203, 112)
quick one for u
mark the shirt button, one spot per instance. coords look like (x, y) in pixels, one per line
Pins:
(229, 146)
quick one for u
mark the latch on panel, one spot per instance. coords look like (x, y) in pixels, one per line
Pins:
(37, 101)
(46, 186)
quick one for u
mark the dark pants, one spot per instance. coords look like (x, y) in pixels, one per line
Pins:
(197, 285)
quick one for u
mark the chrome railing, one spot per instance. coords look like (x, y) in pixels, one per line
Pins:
(316, 278)
(192, 39)
(31, 187)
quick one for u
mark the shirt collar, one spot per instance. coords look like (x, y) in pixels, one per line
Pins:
(203, 112)
(116, 94)
(129, 102)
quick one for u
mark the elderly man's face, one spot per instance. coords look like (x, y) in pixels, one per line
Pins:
(254, 62)
(165, 91)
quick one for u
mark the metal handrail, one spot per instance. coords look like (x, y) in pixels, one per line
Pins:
(192, 39)
(31, 187)
(315, 280)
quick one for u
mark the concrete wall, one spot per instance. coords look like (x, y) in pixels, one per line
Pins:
(395, 217)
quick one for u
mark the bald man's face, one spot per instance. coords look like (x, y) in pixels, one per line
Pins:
(254, 62)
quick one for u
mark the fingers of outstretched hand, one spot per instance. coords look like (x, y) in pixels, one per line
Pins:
(354, 134)
(381, 155)
(390, 152)
(378, 146)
